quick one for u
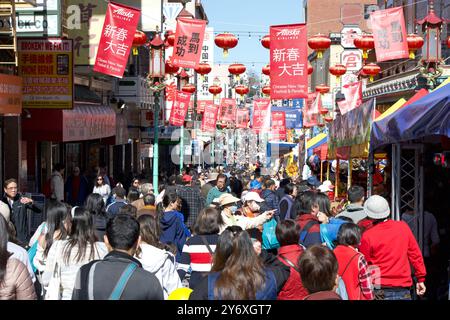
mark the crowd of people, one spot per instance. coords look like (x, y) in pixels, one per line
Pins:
(208, 235)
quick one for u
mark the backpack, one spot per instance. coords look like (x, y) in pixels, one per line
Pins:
(269, 239)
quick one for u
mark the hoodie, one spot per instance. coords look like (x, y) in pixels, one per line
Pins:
(272, 200)
(353, 211)
(162, 264)
(173, 230)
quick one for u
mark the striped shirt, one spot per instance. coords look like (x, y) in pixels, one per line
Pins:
(196, 257)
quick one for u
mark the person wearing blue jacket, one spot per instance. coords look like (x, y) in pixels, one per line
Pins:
(271, 198)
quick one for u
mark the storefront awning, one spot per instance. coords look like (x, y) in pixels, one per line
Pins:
(83, 122)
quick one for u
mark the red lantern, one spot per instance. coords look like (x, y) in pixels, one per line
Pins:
(371, 70)
(414, 42)
(322, 88)
(226, 41)
(321, 125)
(323, 111)
(139, 40)
(170, 68)
(319, 43)
(310, 69)
(266, 90)
(236, 69)
(328, 119)
(170, 38)
(188, 88)
(242, 90)
(215, 90)
(266, 70)
(338, 70)
(448, 42)
(364, 43)
(202, 69)
(265, 41)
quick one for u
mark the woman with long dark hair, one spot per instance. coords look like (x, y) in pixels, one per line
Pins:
(102, 188)
(96, 206)
(157, 257)
(237, 272)
(15, 280)
(67, 256)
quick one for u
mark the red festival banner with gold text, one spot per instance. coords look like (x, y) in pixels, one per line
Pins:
(288, 62)
(278, 126)
(179, 108)
(117, 39)
(227, 109)
(242, 118)
(210, 118)
(261, 115)
(188, 42)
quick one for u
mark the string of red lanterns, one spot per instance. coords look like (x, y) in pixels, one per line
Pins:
(203, 69)
(189, 88)
(236, 69)
(215, 90)
(364, 43)
(242, 90)
(226, 41)
(338, 70)
(319, 43)
(415, 42)
(139, 39)
(371, 70)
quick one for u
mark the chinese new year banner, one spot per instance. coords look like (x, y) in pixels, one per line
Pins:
(288, 62)
(227, 109)
(179, 109)
(201, 105)
(116, 40)
(188, 42)
(210, 118)
(278, 126)
(389, 34)
(242, 118)
(261, 115)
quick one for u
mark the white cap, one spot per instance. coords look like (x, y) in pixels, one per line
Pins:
(326, 186)
(376, 207)
(252, 196)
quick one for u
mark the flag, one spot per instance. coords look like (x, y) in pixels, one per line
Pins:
(201, 105)
(179, 108)
(188, 44)
(261, 115)
(311, 110)
(227, 109)
(210, 118)
(116, 39)
(278, 126)
(242, 118)
(353, 97)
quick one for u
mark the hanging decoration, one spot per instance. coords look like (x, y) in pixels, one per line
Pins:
(328, 119)
(266, 90)
(226, 41)
(319, 43)
(236, 69)
(242, 90)
(310, 69)
(139, 40)
(170, 68)
(371, 70)
(170, 38)
(265, 41)
(364, 43)
(188, 43)
(338, 70)
(415, 42)
(322, 88)
(266, 70)
(202, 69)
(215, 90)
(448, 42)
(188, 88)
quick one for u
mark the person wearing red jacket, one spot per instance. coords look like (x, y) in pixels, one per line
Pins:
(390, 249)
(288, 233)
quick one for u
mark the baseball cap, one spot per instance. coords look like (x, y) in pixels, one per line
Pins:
(377, 207)
(227, 198)
(255, 184)
(252, 196)
(313, 181)
(326, 186)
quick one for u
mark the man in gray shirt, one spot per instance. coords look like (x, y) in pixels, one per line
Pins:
(355, 209)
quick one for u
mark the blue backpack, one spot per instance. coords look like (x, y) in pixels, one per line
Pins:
(269, 239)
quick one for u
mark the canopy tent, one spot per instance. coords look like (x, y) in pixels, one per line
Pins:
(427, 116)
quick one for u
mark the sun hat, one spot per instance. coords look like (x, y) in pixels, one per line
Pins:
(252, 196)
(376, 207)
(227, 198)
(326, 186)
(212, 176)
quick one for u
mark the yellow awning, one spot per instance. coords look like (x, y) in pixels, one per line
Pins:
(447, 81)
(392, 109)
(315, 140)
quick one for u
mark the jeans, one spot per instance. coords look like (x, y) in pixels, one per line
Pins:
(393, 294)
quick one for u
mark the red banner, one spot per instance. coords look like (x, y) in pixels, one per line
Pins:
(288, 62)
(311, 110)
(179, 108)
(353, 97)
(389, 34)
(188, 42)
(261, 115)
(201, 105)
(242, 118)
(278, 126)
(210, 118)
(117, 39)
(227, 109)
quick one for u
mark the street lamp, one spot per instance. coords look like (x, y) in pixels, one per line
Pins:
(156, 73)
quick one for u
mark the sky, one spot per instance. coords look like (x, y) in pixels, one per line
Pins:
(249, 15)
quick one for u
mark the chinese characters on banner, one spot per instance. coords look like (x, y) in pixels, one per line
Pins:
(261, 115)
(288, 62)
(227, 109)
(188, 42)
(353, 97)
(201, 105)
(179, 109)
(278, 126)
(116, 40)
(210, 118)
(10, 95)
(46, 66)
(311, 110)
(242, 118)
(389, 34)
(352, 59)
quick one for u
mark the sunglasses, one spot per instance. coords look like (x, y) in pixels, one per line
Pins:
(99, 179)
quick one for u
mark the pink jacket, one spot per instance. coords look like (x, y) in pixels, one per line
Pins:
(17, 284)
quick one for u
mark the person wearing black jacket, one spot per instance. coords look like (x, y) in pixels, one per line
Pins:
(18, 206)
(118, 276)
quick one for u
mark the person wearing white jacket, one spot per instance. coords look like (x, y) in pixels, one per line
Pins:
(57, 183)
(155, 257)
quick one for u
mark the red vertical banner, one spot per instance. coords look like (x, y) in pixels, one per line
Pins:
(288, 62)
(179, 108)
(188, 42)
(353, 97)
(389, 34)
(210, 118)
(311, 110)
(242, 118)
(117, 39)
(278, 126)
(201, 105)
(261, 115)
(227, 109)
